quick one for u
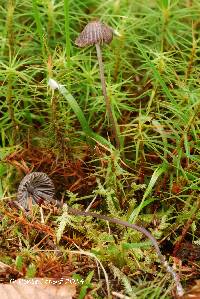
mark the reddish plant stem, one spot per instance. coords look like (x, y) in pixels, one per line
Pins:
(185, 229)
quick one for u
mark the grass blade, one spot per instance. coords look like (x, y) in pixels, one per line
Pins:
(81, 117)
(157, 173)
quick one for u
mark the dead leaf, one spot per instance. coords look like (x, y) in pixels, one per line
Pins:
(42, 288)
(4, 267)
(194, 292)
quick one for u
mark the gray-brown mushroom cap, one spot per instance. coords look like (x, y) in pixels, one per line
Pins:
(35, 187)
(94, 32)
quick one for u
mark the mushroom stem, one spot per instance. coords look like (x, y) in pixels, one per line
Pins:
(107, 100)
(141, 229)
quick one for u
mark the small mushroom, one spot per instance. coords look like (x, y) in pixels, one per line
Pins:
(94, 32)
(97, 33)
(35, 188)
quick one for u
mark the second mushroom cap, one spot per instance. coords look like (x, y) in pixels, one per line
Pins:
(93, 33)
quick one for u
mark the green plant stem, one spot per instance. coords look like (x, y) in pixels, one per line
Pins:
(50, 24)
(9, 25)
(67, 33)
(10, 39)
(192, 55)
(165, 13)
(57, 129)
(11, 108)
(40, 32)
(107, 100)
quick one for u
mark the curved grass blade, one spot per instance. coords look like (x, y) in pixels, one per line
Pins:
(81, 117)
(157, 173)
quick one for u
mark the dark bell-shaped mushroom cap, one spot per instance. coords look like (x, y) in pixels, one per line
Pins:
(35, 188)
(94, 32)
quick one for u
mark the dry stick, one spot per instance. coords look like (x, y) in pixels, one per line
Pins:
(145, 232)
(107, 100)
